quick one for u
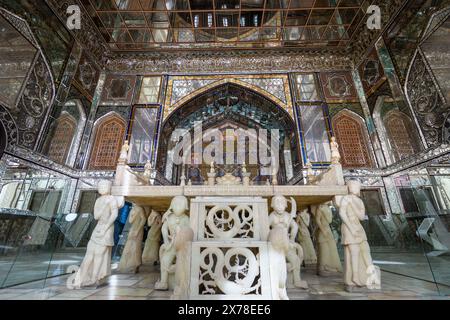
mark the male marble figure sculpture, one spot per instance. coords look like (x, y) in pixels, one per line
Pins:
(304, 238)
(151, 249)
(358, 261)
(328, 258)
(131, 258)
(173, 220)
(279, 217)
(182, 244)
(96, 265)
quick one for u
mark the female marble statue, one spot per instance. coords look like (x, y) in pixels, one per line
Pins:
(131, 258)
(173, 220)
(151, 249)
(182, 244)
(304, 238)
(358, 261)
(96, 265)
(328, 258)
(335, 155)
(124, 151)
(278, 250)
(280, 218)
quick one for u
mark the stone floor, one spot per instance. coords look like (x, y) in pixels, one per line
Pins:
(141, 287)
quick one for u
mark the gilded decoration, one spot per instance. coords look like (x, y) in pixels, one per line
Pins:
(197, 63)
(181, 89)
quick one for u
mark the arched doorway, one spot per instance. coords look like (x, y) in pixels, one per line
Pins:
(228, 108)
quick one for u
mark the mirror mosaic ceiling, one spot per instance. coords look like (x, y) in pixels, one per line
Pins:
(140, 25)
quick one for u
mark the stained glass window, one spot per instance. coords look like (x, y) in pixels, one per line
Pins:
(150, 90)
(143, 129)
(108, 143)
(353, 145)
(62, 139)
(307, 87)
(315, 134)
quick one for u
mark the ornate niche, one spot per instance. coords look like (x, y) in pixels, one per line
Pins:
(62, 138)
(353, 140)
(399, 129)
(108, 140)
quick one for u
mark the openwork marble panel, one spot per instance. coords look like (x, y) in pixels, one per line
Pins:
(223, 271)
(218, 218)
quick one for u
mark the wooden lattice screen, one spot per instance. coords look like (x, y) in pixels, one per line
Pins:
(108, 142)
(62, 139)
(399, 131)
(353, 144)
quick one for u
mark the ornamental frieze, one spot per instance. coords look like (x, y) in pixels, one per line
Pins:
(195, 64)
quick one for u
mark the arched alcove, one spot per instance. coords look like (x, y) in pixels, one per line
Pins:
(353, 140)
(230, 106)
(108, 140)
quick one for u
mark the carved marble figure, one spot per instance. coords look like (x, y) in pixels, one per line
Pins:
(278, 248)
(131, 258)
(96, 265)
(359, 270)
(335, 155)
(182, 244)
(304, 238)
(328, 258)
(173, 220)
(151, 249)
(279, 217)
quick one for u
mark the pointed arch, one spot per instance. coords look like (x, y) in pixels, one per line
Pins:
(350, 131)
(62, 138)
(399, 128)
(108, 140)
(169, 111)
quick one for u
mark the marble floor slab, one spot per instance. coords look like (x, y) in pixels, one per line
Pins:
(141, 287)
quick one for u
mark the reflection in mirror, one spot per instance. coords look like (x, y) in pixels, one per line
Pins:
(16, 58)
(65, 134)
(436, 51)
(144, 125)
